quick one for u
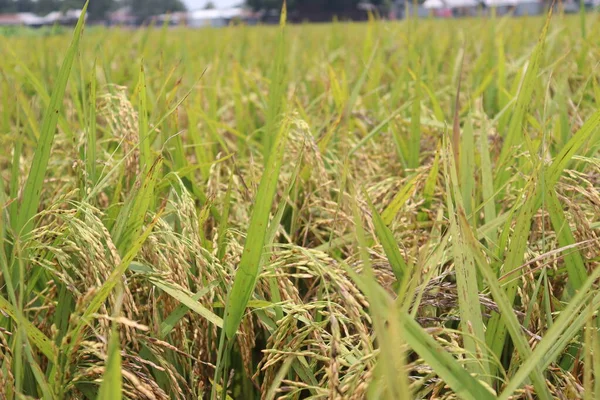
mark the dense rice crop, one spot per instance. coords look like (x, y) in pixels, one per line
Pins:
(379, 210)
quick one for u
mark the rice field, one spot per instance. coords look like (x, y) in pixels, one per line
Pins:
(381, 210)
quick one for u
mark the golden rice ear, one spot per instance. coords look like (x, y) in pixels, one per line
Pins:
(118, 115)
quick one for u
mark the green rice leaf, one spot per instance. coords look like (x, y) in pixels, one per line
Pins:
(33, 188)
(247, 272)
(111, 387)
(515, 129)
(466, 276)
(180, 295)
(390, 246)
(506, 310)
(454, 375)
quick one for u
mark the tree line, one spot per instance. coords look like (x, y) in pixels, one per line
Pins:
(319, 10)
(325, 5)
(97, 9)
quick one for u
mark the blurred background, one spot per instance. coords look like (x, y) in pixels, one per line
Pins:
(215, 13)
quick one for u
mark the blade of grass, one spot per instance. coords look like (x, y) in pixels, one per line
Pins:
(588, 363)
(415, 122)
(26, 331)
(92, 131)
(430, 185)
(247, 272)
(377, 129)
(272, 232)
(111, 387)
(487, 184)
(467, 167)
(14, 180)
(285, 367)
(39, 164)
(399, 200)
(471, 318)
(179, 294)
(248, 269)
(133, 213)
(596, 363)
(360, 83)
(453, 374)
(169, 323)
(222, 232)
(567, 325)
(143, 128)
(455, 119)
(573, 260)
(387, 240)
(515, 129)
(277, 76)
(37, 337)
(505, 307)
(379, 302)
(496, 333)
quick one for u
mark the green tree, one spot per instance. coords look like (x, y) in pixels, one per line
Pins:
(97, 9)
(25, 5)
(209, 6)
(43, 7)
(12, 6)
(7, 6)
(269, 4)
(308, 8)
(330, 5)
(145, 9)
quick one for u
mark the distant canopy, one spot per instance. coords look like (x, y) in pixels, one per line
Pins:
(318, 10)
(443, 4)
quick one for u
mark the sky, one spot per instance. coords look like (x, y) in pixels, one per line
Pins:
(195, 4)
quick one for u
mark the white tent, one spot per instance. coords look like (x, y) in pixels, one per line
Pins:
(31, 19)
(461, 3)
(433, 4)
(444, 4)
(62, 17)
(214, 17)
(500, 3)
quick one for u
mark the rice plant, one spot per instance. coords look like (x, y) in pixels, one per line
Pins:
(378, 210)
